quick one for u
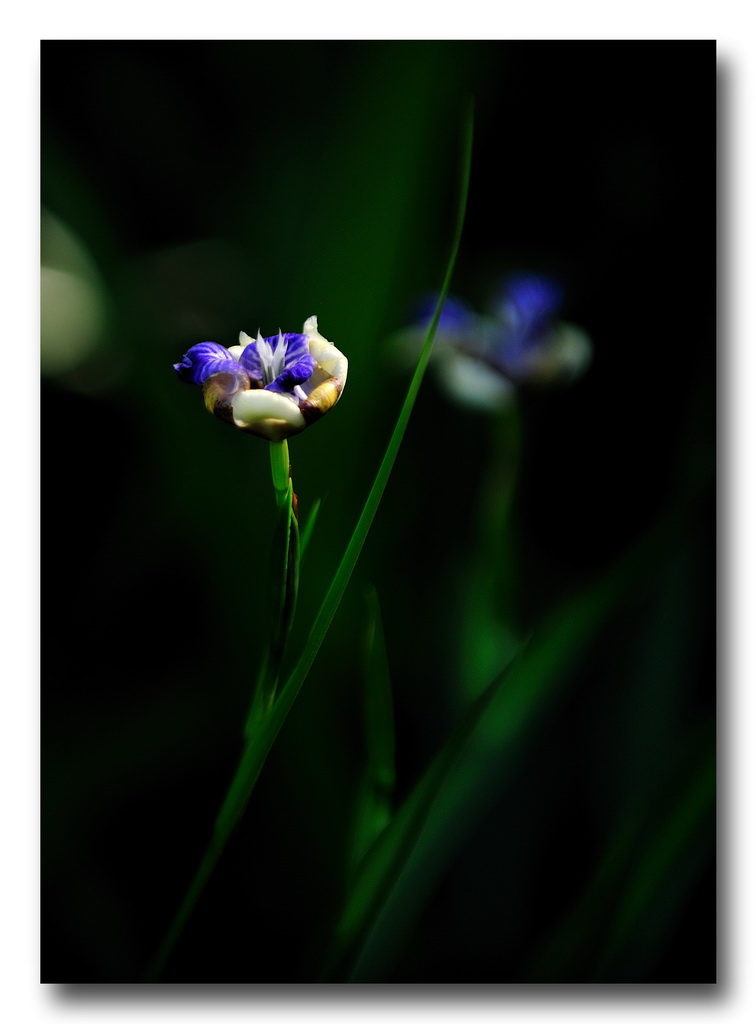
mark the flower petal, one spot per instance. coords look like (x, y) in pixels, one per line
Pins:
(324, 386)
(293, 375)
(456, 315)
(267, 359)
(333, 362)
(561, 357)
(203, 360)
(320, 399)
(472, 382)
(533, 296)
(527, 306)
(236, 350)
(249, 358)
(219, 389)
(296, 347)
(267, 413)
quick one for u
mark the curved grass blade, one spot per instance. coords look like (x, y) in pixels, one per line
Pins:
(618, 921)
(375, 797)
(259, 743)
(410, 856)
(673, 858)
(308, 528)
(380, 869)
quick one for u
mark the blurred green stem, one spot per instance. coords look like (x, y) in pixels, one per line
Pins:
(488, 578)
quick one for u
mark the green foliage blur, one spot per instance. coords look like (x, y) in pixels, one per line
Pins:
(191, 190)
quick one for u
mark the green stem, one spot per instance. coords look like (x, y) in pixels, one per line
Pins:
(280, 469)
(285, 573)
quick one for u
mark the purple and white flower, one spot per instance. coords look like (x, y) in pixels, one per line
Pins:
(481, 360)
(273, 387)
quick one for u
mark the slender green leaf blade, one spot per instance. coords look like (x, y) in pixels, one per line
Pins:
(375, 795)
(672, 859)
(412, 853)
(309, 527)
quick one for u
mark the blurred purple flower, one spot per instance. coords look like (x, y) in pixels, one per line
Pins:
(481, 359)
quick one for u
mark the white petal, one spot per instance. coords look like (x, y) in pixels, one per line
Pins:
(266, 408)
(472, 383)
(575, 350)
(236, 350)
(562, 358)
(335, 363)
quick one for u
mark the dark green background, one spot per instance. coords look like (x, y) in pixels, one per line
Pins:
(222, 186)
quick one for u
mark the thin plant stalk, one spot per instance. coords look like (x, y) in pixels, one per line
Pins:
(285, 572)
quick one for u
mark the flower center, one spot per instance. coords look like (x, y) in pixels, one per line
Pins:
(272, 357)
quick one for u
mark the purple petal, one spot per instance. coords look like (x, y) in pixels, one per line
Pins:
(297, 346)
(203, 360)
(250, 360)
(533, 301)
(456, 315)
(298, 373)
(527, 308)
